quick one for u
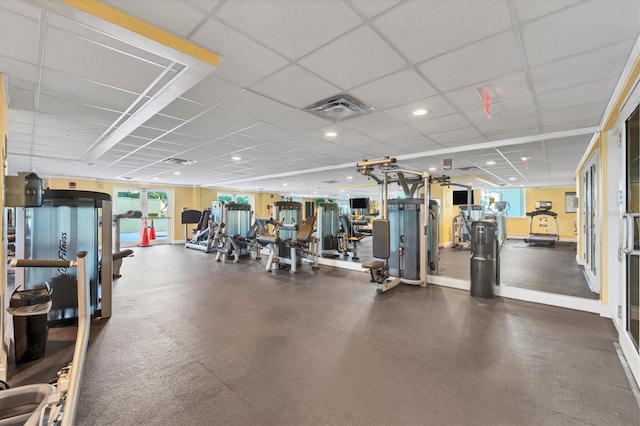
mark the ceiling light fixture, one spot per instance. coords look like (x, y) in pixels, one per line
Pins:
(432, 169)
(285, 184)
(177, 173)
(349, 177)
(420, 112)
(490, 163)
(236, 158)
(156, 178)
(512, 178)
(524, 158)
(331, 134)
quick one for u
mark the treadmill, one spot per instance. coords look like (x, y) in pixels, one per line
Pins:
(543, 208)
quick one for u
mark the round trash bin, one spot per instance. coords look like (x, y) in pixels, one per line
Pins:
(29, 309)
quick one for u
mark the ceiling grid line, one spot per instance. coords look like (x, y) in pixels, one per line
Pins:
(42, 34)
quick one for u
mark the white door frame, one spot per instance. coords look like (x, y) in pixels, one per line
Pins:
(626, 343)
(590, 221)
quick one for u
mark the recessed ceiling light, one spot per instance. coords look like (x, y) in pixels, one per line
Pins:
(512, 178)
(285, 184)
(177, 173)
(236, 158)
(342, 190)
(349, 177)
(490, 163)
(331, 134)
(420, 112)
(524, 158)
(315, 192)
(432, 169)
(521, 185)
(469, 183)
(156, 178)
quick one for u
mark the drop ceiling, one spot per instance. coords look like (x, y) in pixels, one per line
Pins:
(89, 103)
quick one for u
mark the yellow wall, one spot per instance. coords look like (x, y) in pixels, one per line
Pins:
(520, 225)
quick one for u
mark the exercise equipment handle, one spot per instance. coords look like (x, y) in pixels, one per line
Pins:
(36, 263)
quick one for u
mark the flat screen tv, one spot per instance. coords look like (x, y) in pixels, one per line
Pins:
(460, 197)
(359, 203)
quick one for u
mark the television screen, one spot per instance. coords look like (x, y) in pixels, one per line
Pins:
(359, 203)
(460, 197)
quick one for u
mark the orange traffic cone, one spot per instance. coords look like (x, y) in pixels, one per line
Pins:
(145, 236)
(152, 231)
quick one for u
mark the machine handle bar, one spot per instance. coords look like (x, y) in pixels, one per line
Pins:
(627, 233)
(37, 263)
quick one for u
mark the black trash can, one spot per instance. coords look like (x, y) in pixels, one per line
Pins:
(484, 259)
(30, 329)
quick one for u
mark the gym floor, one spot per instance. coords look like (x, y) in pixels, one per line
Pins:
(194, 341)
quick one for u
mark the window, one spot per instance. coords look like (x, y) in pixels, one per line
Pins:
(515, 198)
(236, 198)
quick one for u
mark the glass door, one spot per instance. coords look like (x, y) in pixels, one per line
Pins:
(630, 251)
(155, 207)
(590, 228)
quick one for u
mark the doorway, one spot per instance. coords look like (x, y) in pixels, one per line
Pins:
(155, 205)
(590, 223)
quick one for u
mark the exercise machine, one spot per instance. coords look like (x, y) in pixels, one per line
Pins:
(236, 236)
(329, 235)
(401, 238)
(53, 403)
(118, 254)
(501, 212)
(304, 246)
(543, 212)
(349, 237)
(68, 221)
(202, 237)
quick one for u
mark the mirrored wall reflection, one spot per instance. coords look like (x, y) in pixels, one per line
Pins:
(531, 185)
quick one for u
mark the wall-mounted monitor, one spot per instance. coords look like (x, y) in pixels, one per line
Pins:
(460, 197)
(359, 203)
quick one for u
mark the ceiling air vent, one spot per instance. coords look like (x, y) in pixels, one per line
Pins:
(330, 182)
(179, 161)
(339, 107)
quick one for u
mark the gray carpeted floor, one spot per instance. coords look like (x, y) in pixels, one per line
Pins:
(196, 342)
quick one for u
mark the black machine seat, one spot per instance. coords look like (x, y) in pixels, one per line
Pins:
(538, 212)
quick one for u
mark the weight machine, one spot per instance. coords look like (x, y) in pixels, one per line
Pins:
(405, 239)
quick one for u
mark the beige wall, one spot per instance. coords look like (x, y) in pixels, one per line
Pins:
(4, 132)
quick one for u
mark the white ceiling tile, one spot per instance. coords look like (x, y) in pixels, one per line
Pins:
(570, 125)
(379, 125)
(183, 109)
(396, 89)
(295, 86)
(51, 105)
(475, 63)
(205, 5)
(174, 16)
(581, 68)
(211, 91)
(354, 58)
(80, 90)
(19, 36)
(252, 105)
(267, 132)
(147, 132)
(574, 31)
(197, 131)
(163, 122)
(457, 136)
(241, 141)
(371, 8)
(59, 122)
(505, 89)
(430, 125)
(425, 29)
(298, 121)
(573, 96)
(224, 120)
(242, 60)
(19, 70)
(528, 10)
(592, 112)
(503, 112)
(279, 24)
(76, 56)
(436, 106)
(20, 98)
